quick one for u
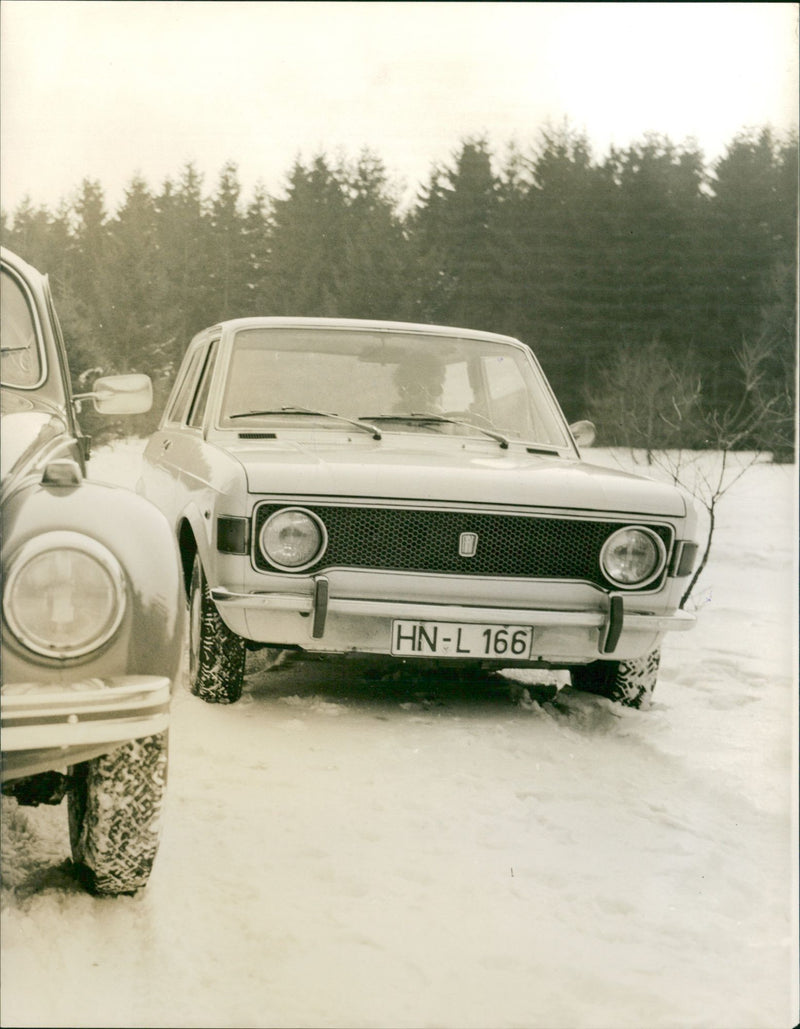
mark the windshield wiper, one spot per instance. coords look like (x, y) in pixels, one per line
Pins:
(439, 419)
(310, 411)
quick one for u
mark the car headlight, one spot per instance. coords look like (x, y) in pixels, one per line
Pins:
(633, 557)
(292, 539)
(64, 595)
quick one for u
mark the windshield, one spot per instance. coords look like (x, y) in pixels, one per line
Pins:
(20, 359)
(405, 382)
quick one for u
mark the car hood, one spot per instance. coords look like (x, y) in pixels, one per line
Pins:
(452, 470)
(26, 425)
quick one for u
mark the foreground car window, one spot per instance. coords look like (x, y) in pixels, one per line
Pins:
(393, 377)
(21, 359)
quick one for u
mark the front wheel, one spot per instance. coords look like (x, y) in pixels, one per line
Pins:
(115, 804)
(216, 654)
(630, 682)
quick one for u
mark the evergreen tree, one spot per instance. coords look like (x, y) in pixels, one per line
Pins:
(554, 224)
(90, 319)
(307, 238)
(228, 264)
(256, 251)
(753, 235)
(653, 256)
(137, 271)
(30, 236)
(370, 274)
(456, 238)
(183, 244)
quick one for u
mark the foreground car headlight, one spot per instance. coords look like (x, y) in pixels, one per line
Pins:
(633, 557)
(292, 539)
(64, 595)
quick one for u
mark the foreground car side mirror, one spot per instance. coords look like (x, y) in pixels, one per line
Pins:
(584, 433)
(121, 394)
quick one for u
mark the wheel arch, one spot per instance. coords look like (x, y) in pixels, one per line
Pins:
(187, 544)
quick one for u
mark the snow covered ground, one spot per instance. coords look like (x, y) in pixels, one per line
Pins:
(428, 852)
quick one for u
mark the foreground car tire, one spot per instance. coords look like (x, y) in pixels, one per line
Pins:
(216, 655)
(630, 683)
(115, 805)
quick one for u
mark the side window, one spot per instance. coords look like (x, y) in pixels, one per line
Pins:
(21, 360)
(177, 408)
(198, 408)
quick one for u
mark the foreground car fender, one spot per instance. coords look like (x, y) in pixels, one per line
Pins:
(211, 485)
(139, 537)
(61, 712)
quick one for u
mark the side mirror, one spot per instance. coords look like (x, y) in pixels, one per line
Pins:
(583, 432)
(121, 394)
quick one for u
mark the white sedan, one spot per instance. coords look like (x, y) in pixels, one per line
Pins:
(410, 493)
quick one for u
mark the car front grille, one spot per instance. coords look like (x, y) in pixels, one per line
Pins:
(411, 540)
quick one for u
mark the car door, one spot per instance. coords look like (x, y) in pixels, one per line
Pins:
(190, 454)
(164, 451)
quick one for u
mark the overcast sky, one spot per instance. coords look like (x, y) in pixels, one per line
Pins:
(113, 89)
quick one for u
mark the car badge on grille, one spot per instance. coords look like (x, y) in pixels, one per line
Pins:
(467, 544)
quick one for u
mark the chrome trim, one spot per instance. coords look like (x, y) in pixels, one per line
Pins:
(304, 604)
(317, 554)
(62, 473)
(588, 514)
(468, 544)
(88, 711)
(658, 568)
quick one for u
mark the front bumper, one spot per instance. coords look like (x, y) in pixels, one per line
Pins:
(53, 724)
(328, 624)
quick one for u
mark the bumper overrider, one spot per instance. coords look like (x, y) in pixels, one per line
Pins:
(78, 719)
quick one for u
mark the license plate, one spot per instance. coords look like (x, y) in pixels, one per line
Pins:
(460, 639)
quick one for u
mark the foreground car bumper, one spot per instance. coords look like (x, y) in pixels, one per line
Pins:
(45, 725)
(328, 624)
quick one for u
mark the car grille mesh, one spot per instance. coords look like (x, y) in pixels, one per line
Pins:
(398, 539)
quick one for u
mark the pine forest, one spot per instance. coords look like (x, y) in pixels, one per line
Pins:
(658, 292)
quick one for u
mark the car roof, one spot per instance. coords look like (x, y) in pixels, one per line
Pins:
(355, 324)
(22, 267)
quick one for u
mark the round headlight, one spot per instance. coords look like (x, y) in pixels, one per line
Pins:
(64, 595)
(633, 557)
(292, 539)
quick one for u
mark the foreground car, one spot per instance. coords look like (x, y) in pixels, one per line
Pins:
(409, 492)
(92, 603)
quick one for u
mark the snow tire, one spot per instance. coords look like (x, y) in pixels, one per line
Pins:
(115, 806)
(216, 654)
(630, 683)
